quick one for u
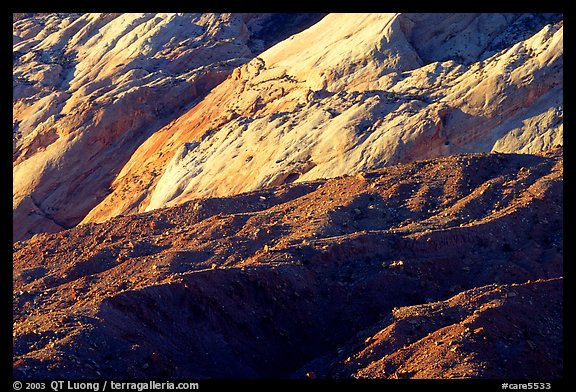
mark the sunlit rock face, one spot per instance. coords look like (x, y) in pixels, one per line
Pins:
(117, 114)
(89, 89)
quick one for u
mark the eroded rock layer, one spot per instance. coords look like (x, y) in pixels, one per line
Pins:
(89, 89)
(123, 113)
(442, 268)
(356, 92)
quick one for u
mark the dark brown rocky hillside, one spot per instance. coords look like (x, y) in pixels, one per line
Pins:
(443, 268)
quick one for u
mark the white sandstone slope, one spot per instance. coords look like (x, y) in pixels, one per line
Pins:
(354, 92)
(350, 93)
(88, 89)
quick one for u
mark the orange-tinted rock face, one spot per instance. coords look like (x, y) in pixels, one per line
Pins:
(288, 196)
(90, 89)
(350, 93)
(335, 100)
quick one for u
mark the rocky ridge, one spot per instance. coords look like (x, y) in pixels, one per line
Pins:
(353, 93)
(122, 113)
(443, 268)
(342, 196)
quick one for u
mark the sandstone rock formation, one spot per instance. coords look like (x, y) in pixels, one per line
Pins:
(109, 117)
(89, 89)
(288, 196)
(444, 268)
(355, 92)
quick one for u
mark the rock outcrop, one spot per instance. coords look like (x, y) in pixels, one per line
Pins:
(89, 89)
(288, 196)
(355, 92)
(478, 333)
(441, 268)
(110, 116)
